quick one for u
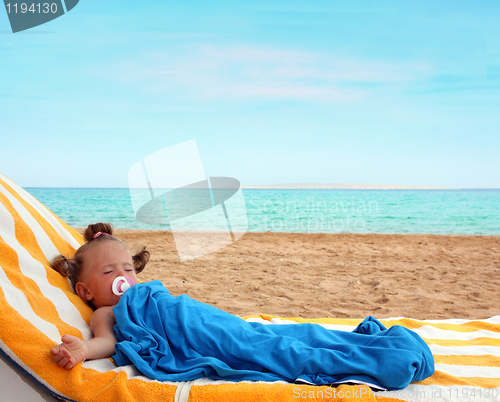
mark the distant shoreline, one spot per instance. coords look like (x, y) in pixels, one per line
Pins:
(305, 186)
(300, 187)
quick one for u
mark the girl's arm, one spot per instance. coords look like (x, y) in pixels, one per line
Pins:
(73, 350)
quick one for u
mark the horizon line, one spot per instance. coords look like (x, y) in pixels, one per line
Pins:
(310, 187)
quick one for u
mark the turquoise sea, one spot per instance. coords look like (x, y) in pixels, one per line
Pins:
(475, 212)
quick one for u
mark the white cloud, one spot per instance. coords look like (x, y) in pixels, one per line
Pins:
(226, 73)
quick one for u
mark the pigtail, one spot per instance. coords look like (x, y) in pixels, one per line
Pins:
(140, 260)
(66, 267)
(95, 230)
(60, 264)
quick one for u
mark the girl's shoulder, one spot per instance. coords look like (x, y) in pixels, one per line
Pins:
(102, 313)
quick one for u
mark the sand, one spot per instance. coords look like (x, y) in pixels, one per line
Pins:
(335, 275)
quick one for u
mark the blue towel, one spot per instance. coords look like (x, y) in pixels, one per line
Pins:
(172, 338)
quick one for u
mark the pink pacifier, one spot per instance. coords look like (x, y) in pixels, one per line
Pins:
(121, 284)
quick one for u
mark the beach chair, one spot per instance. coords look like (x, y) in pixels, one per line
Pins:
(37, 307)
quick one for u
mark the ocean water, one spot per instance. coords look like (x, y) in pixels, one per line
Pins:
(474, 212)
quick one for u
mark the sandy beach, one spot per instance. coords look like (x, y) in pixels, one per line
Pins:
(334, 275)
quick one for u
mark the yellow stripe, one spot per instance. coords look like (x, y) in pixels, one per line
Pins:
(332, 321)
(443, 379)
(9, 260)
(463, 360)
(248, 392)
(62, 246)
(457, 342)
(467, 327)
(85, 385)
(41, 306)
(23, 232)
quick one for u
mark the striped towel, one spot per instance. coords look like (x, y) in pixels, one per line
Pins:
(37, 307)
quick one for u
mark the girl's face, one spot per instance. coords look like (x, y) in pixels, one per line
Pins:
(103, 263)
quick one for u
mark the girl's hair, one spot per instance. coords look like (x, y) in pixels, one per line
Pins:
(94, 234)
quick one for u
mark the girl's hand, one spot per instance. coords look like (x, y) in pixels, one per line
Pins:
(70, 352)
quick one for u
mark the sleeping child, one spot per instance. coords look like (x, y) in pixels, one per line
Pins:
(172, 338)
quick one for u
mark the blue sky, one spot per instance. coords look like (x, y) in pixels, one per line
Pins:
(393, 92)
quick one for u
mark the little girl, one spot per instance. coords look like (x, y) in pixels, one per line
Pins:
(172, 338)
(92, 271)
